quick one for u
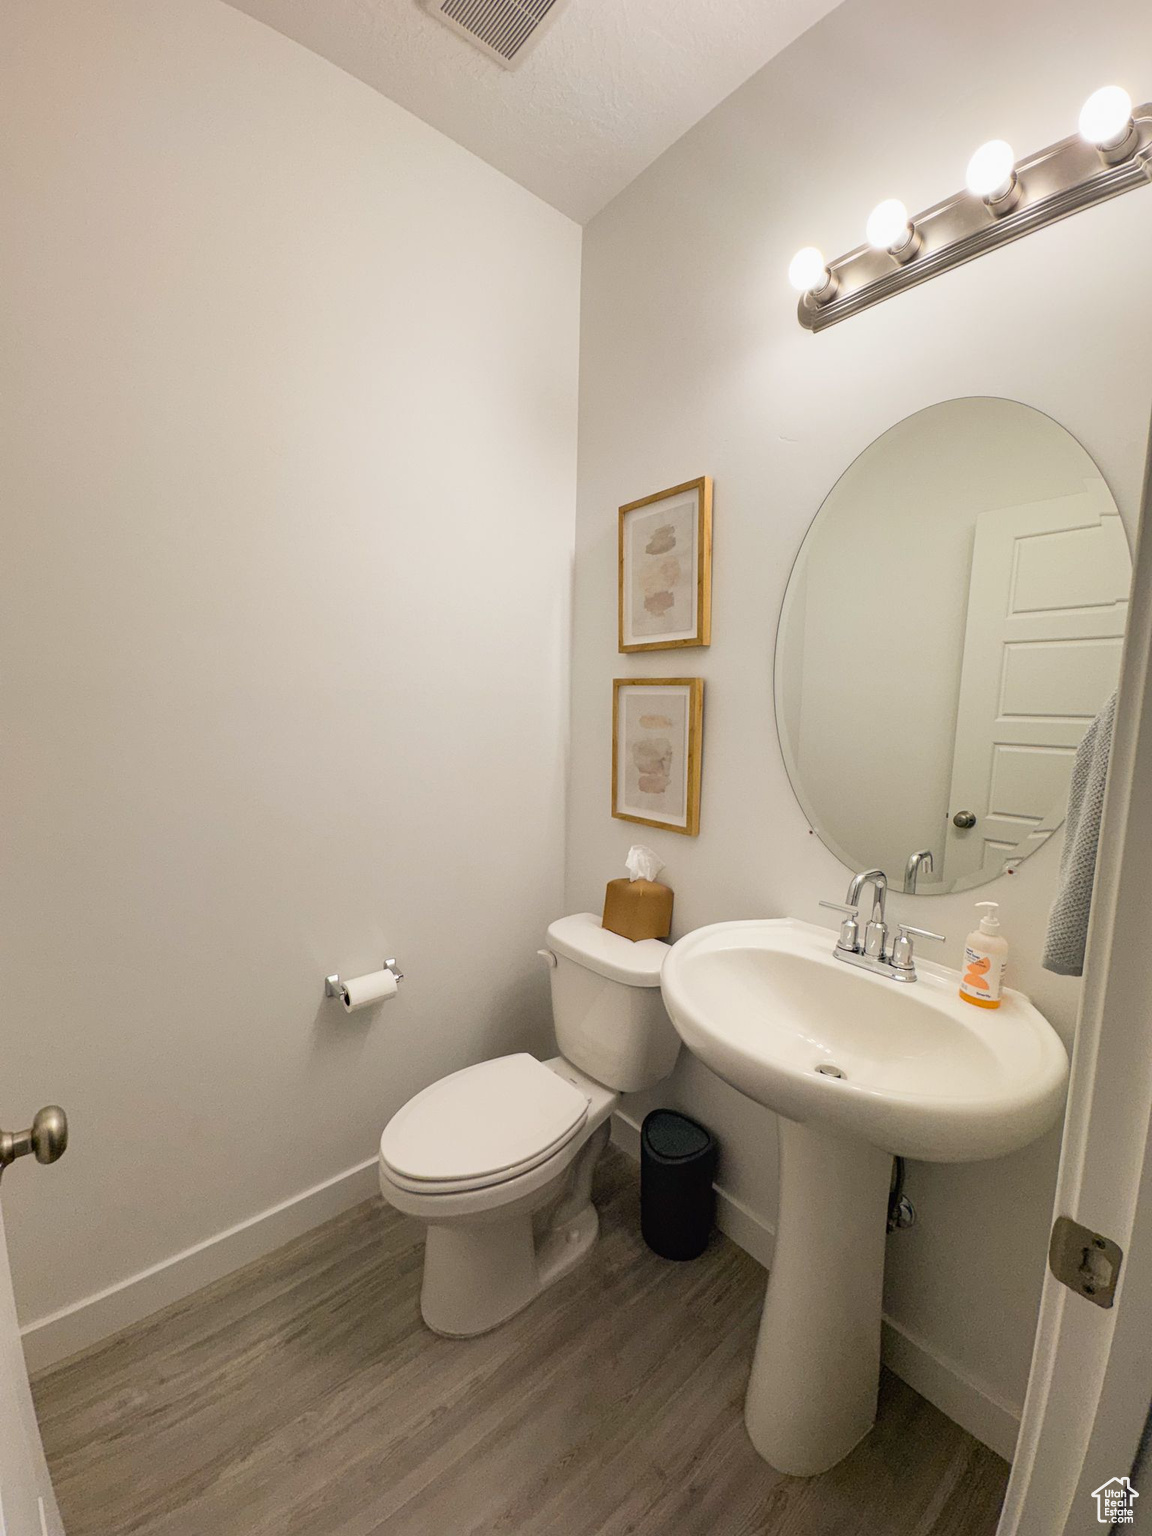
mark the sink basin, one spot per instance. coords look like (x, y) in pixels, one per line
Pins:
(859, 1067)
(766, 1005)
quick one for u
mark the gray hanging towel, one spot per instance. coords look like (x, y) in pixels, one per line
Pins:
(1068, 921)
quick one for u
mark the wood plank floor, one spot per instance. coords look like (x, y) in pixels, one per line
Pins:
(302, 1396)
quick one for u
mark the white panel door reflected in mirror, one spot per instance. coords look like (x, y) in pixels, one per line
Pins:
(951, 627)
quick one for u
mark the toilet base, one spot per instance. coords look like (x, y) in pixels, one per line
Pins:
(478, 1273)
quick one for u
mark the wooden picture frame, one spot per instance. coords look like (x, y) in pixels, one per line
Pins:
(664, 569)
(657, 746)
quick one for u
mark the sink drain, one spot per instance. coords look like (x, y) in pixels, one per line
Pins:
(826, 1069)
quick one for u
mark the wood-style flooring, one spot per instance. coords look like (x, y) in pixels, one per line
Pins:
(302, 1396)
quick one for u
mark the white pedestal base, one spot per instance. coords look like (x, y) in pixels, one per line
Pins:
(812, 1392)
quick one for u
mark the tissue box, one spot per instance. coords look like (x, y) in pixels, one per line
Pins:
(638, 909)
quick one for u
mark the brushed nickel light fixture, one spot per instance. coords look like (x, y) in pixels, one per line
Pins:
(1004, 198)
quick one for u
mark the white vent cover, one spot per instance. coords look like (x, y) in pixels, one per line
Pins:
(503, 29)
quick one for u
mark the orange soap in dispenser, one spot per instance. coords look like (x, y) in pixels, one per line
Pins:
(985, 954)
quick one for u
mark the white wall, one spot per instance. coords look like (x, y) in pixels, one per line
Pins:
(288, 486)
(693, 363)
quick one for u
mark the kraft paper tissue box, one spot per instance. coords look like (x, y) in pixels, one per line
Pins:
(638, 909)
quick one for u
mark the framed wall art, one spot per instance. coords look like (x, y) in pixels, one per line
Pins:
(665, 569)
(657, 739)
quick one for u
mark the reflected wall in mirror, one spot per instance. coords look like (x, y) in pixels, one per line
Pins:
(951, 626)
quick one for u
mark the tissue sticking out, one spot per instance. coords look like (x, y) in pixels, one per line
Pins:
(643, 863)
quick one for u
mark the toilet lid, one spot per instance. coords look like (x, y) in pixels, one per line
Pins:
(483, 1124)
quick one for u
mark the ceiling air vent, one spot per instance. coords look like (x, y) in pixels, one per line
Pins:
(503, 29)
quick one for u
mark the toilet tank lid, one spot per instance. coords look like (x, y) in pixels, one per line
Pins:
(582, 938)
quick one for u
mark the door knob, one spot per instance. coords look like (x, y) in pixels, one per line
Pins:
(964, 819)
(48, 1138)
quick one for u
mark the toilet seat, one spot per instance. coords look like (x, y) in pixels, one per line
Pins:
(483, 1125)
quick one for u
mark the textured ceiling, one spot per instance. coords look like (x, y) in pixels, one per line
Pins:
(608, 87)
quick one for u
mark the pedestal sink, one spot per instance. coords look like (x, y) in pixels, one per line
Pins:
(859, 1068)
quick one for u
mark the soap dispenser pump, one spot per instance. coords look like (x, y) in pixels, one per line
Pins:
(985, 953)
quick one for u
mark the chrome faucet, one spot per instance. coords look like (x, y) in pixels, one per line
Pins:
(876, 929)
(873, 955)
(916, 862)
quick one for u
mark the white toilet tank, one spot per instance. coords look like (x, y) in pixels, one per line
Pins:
(606, 1003)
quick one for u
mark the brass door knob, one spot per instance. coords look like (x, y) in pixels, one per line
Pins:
(964, 819)
(47, 1140)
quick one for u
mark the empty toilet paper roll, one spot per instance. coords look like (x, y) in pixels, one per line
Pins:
(362, 991)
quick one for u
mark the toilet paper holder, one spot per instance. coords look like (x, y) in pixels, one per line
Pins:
(333, 987)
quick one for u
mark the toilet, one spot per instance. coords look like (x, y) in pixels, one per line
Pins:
(498, 1158)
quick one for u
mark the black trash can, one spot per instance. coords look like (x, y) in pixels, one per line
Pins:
(677, 1202)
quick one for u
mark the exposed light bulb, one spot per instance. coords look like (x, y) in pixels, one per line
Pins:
(808, 271)
(1106, 117)
(888, 228)
(992, 171)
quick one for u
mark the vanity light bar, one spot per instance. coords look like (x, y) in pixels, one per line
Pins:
(1004, 199)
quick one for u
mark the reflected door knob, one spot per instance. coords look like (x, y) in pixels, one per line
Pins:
(964, 819)
(47, 1140)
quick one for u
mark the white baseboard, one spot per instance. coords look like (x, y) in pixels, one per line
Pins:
(48, 1340)
(972, 1405)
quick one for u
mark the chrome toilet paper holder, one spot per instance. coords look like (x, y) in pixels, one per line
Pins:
(334, 987)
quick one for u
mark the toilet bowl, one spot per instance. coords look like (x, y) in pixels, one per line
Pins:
(498, 1158)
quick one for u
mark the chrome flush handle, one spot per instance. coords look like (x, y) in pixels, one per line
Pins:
(48, 1138)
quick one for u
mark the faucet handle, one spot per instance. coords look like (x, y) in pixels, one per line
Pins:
(902, 949)
(849, 931)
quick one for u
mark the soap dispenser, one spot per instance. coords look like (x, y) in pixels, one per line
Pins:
(985, 953)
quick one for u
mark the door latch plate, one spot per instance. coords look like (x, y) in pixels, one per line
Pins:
(1085, 1261)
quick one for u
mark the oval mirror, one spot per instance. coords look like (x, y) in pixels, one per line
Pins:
(951, 626)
